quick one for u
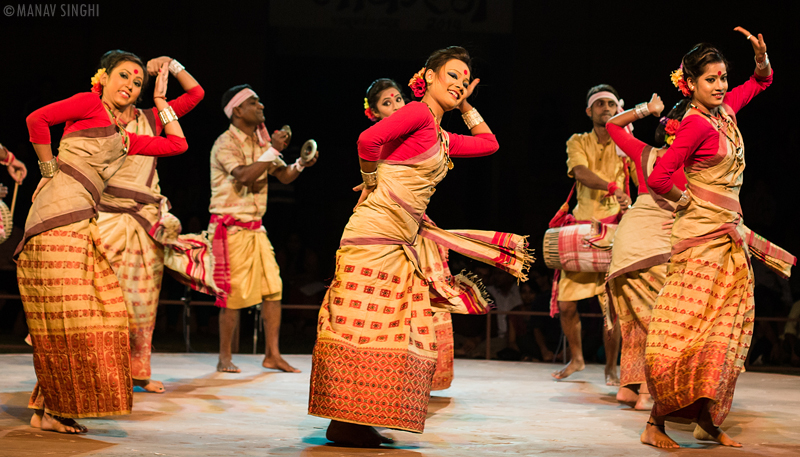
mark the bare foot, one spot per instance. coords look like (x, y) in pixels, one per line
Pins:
(227, 367)
(61, 425)
(548, 356)
(722, 438)
(571, 367)
(36, 419)
(612, 379)
(149, 385)
(644, 402)
(277, 363)
(655, 435)
(626, 394)
(355, 435)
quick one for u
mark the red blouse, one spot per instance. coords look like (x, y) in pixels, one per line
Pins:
(181, 105)
(84, 111)
(412, 131)
(697, 140)
(634, 148)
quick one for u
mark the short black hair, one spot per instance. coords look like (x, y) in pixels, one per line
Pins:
(601, 88)
(230, 93)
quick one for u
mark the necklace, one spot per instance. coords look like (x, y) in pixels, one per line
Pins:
(724, 125)
(444, 139)
(126, 140)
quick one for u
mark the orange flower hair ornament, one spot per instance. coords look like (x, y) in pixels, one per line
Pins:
(368, 111)
(680, 82)
(97, 88)
(417, 83)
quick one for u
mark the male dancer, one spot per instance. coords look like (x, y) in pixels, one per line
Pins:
(241, 159)
(593, 161)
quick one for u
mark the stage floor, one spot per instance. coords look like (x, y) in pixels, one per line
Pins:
(493, 408)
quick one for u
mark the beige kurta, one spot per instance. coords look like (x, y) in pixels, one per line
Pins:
(602, 159)
(255, 275)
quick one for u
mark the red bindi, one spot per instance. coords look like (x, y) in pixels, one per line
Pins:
(465, 72)
(392, 95)
(719, 73)
(135, 71)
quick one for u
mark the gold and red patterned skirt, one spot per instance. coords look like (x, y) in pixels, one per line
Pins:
(443, 326)
(633, 294)
(78, 323)
(376, 350)
(138, 262)
(701, 330)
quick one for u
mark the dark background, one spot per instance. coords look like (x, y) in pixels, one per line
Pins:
(311, 62)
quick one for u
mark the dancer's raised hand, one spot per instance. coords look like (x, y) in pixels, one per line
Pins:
(655, 105)
(471, 88)
(153, 65)
(759, 46)
(160, 90)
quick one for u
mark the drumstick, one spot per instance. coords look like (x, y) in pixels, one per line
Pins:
(14, 199)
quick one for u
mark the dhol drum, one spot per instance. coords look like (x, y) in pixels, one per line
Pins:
(579, 247)
(6, 222)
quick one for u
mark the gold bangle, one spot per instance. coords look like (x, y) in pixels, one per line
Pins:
(370, 179)
(472, 118)
(167, 115)
(48, 168)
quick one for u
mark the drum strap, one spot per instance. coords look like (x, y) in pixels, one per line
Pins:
(563, 216)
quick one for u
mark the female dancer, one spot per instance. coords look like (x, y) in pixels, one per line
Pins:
(702, 321)
(641, 249)
(384, 98)
(73, 303)
(131, 213)
(375, 355)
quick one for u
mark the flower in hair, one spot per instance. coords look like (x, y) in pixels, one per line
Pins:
(97, 88)
(368, 111)
(417, 83)
(680, 82)
(671, 126)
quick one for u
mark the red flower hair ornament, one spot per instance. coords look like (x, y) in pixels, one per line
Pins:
(368, 111)
(417, 83)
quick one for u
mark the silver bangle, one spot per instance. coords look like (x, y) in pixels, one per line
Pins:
(370, 179)
(167, 115)
(685, 199)
(472, 118)
(175, 67)
(763, 64)
(297, 166)
(641, 110)
(48, 168)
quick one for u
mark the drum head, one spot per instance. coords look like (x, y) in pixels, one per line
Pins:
(309, 150)
(6, 222)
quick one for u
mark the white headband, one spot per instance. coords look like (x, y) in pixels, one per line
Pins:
(606, 94)
(238, 99)
(620, 104)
